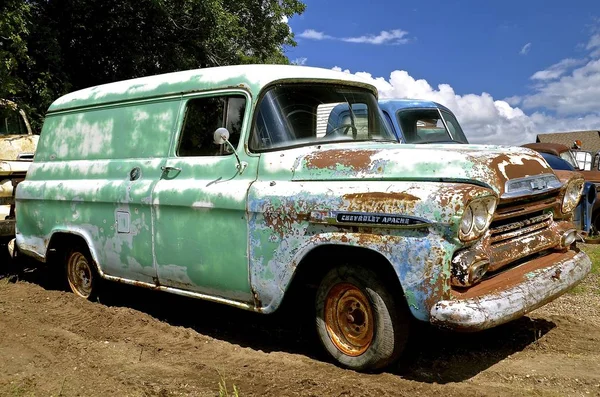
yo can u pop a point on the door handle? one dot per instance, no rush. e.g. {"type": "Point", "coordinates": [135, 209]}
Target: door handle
{"type": "Point", "coordinates": [167, 168]}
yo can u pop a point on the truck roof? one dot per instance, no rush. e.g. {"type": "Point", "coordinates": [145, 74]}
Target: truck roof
{"type": "Point", "coordinates": [547, 147]}
{"type": "Point", "coordinates": [251, 77]}
{"type": "Point", "coordinates": [397, 104]}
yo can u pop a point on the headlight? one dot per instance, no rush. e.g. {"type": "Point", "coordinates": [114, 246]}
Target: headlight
{"type": "Point", "coordinates": [476, 218]}
{"type": "Point", "coordinates": [466, 223]}
{"type": "Point", "coordinates": [572, 196]}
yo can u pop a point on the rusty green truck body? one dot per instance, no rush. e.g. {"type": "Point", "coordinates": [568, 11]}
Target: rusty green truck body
{"type": "Point", "coordinates": [473, 236]}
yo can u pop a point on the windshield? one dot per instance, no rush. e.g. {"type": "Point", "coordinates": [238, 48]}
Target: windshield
{"type": "Point", "coordinates": [300, 114]}
{"type": "Point", "coordinates": [568, 157]}
{"type": "Point", "coordinates": [428, 126]}
{"type": "Point", "coordinates": [557, 163]}
{"type": "Point", "coordinates": [11, 122]}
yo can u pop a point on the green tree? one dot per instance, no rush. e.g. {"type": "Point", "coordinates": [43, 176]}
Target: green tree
{"type": "Point", "coordinates": [14, 17]}
{"type": "Point", "coordinates": [73, 44]}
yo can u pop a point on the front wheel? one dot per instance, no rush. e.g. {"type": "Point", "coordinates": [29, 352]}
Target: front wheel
{"type": "Point", "coordinates": [358, 320]}
{"type": "Point", "coordinates": [81, 274]}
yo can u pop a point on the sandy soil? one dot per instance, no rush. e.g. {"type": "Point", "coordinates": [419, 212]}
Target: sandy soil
{"type": "Point", "coordinates": [136, 342]}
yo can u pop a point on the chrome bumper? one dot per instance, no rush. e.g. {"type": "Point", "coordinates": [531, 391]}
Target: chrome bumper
{"type": "Point", "coordinates": [537, 288]}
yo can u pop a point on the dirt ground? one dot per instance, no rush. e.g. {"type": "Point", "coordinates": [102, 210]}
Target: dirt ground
{"type": "Point", "coordinates": [142, 343]}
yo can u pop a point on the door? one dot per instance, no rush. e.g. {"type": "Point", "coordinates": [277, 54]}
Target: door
{"type": "Point", "coordinates": [200, 222]}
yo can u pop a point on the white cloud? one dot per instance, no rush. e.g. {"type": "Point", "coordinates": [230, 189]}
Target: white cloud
{"type": "Point", "coordinates": [525, 50]}
{"type": "Point", "coordinates": [565, 98]}
{"type": "Point", "coordinates": [570, 87]}
{"type": "Point", "coordinates": [557, 70]}
{"type": "Point", "coordinates": [300, 61]}
{"type": "Point", "coordinates": [484, 119]}
{"type": "Point", "coordinates": [594, 45]}
{"type": "Point", "coordinates": [394, 37]}
{"type": "Point", "coordinates": [513, 100]}
{"type": "Point", "coordinates": [576, 93]}
{"type": "Point", "coordinates": [314, 35]}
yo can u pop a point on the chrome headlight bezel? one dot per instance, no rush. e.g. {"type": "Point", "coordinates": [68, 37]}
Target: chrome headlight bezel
{"type": "Point", "coordinates": [572, 195]}
{"type": "Point", "coordinates": [476, 218]}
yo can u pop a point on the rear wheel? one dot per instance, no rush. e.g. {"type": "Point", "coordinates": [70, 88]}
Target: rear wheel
{"type": "Point", "coordinates": [358, 320]}
{"type": "Point", "coordinates": [81, 274]}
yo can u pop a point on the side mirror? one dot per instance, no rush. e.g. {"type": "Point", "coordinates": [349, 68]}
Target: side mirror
{"type": "Point", "coordinates": [220, 136]}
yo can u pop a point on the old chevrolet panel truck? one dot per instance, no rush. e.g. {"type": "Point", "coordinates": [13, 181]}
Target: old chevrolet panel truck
{"type": "Point", "coordinates": [213, 184]}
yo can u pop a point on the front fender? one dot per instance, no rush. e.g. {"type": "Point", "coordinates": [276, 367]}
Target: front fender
{"type": "Point", "coordinates": [282, 231]}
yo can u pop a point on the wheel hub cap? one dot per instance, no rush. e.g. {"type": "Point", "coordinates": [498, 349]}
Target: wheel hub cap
{"type": "Point", "coordinates": [349, 319]}
{"type": "Point", "coordinates": [79, 275]}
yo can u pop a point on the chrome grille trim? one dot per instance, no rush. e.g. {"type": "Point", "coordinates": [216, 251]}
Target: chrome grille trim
{"type": "Point", "coordinates": [520, 228]}
{"type": "Point", "coordinates": [529, 185]}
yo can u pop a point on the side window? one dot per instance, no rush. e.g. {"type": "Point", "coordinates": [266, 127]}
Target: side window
{"type": "Point", "coordinates": [203, 116]}
{"type": "Point", "coordinates": [11, 122]}
{"type": "Point", "coordinates": [584, 159]}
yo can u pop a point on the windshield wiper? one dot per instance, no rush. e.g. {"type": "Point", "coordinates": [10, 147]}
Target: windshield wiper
{"type": "Point", "coordinates": [352, 118]}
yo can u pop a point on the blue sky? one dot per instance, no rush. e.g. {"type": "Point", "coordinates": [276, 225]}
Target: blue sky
{"type": "Point", "coordinates": [508, 69]}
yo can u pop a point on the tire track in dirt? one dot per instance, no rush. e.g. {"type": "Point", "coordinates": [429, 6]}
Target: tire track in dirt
{"type": "Point", "coordinates": [52, 342]}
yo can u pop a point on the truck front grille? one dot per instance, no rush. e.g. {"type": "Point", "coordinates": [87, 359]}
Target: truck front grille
{"type": "Point", "coordinates": [521, 228]}
{"type": "Point", "coordinates": [527, 224]}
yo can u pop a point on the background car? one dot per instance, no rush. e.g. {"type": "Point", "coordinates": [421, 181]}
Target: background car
{"type": "Point", "coordinates": [583, 212]}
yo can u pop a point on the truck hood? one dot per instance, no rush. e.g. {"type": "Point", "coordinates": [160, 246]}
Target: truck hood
{"type": "Point", "coordinates": [14, 146]}
{"type": "Point", "coordinates": [11, 146]}
{"type": "Point", "coordinates": [491, 166]}
{"type": "Point", "coordinates": [590, 176]}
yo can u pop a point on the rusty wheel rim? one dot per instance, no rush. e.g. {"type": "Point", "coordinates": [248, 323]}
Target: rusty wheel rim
{"type": "Point", "coordinates": [349, 319]}
{"type": "Point", "coordinates": [79, 275]}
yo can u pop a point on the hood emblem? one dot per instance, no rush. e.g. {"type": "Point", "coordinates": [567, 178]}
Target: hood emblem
{"type": "Point", "coordinates": [538, 184]}
{"type": "Point", "coordinates": [519, 187]}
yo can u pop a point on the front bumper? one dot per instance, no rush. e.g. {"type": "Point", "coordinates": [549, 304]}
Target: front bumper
{"type": "Point", "coordinates": [512, 294]}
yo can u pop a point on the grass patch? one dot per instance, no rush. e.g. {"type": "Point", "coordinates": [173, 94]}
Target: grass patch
{"type": "Point", "coordinates": [580, 289]}
{"type": "Point", "coordinates": [593, 251]}
{"type": "Point", "coordinates": [224, 390]}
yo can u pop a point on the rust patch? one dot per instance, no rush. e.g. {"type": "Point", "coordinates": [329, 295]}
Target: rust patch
{"type": "Point", "coordinates": [381, 196]}
{"type": "Point", "coordinates": [380, 202]}
{"type": "Point", "coordinates": [566, 176]}
{"type": "Point", "coordinates": [493, 164]}
{"type": "Point", "coordinates": [283, 220]}
{"type": "Point", "coordinates": [529, 167]}
{"type": "Point", "coordinates": [512, 277]}
{"type": "Point", "coordinates": [356, 159]}
{"type": "Point", "coordinates": [514, 207]}
{"type": "Point", "coordinates": [256, 298]}
{"type": "Point", "coordinates": [590, 176]}
{"type": "Point", "coordinates": [447, 194]}
{"type": "Point", "coordinates": [546, 147]}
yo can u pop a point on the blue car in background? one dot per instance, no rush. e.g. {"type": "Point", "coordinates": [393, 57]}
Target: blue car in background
{"type": "Point", "coordinates": [419, 121]}
{"type": "Point", "coordinates": [412, 120]}
{"type": "Point", "coordinates": [583, 212]}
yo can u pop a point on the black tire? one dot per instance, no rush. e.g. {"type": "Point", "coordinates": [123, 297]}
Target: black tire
{"type": "Point", "coordinates": [596, 222]}
{"type": "Point", "coordinates": [82, 278]}
{"type": "Point", "coordinates": [359, 322]}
